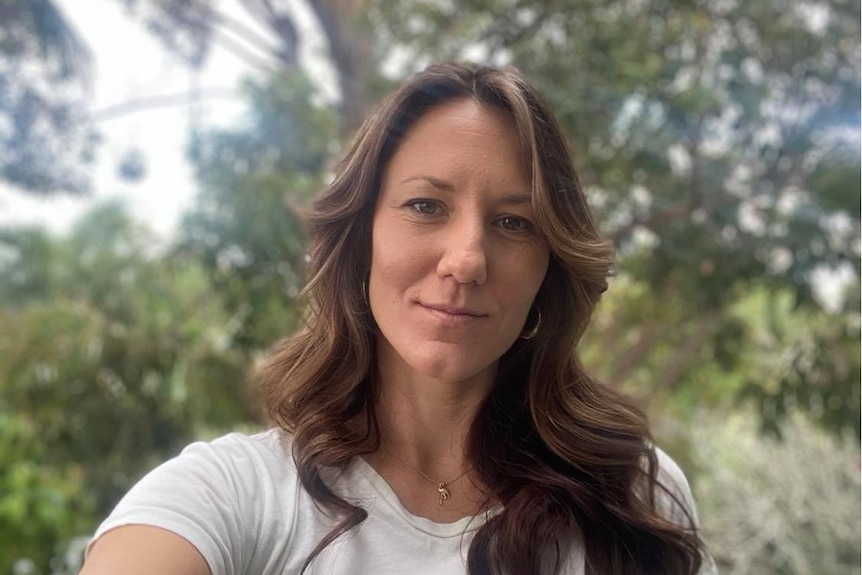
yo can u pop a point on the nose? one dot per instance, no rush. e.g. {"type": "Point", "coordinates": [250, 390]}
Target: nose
{"type": "Point", "coordinates": [464, 257]}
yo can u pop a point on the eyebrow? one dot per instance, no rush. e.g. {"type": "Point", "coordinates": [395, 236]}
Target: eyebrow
{"type": "Point", "coordinates": [511, 198]}
{"type": "Point", "coordinates": [436, 182]}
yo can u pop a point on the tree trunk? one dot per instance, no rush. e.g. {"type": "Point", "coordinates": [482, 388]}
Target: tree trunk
{"type": "Point", "coordinates": [350, 50]}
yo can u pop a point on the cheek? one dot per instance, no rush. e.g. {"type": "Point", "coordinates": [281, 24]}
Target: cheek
{"type": "Point", "coordinates": [527, 273]}
{"type": "Point", "coordinates": [390, 241]}
{"type": "Point", "coordinates": [383, 256]}
{"type": "Point", "coordinates": [392, 267]}
{"type": "Point", "coordinates": [394, 273]}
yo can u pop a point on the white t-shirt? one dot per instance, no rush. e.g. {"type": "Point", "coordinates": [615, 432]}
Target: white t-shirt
{"type": "Point", "coordinates": [239, 501]}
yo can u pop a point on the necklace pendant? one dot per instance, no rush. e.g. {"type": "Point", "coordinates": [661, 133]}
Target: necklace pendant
{"type": "Point", "coordinates": [442, 493]}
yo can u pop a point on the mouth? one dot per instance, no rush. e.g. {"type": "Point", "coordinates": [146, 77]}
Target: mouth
{"type": "Point", "coordinates": [452, 311]}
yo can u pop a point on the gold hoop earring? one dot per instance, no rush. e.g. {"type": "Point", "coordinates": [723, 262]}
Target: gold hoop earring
{"type": "Point", "coordinates": [531, 333]}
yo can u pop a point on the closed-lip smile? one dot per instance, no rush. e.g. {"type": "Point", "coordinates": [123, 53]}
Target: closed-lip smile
{"type": "Point", "coordinates": [452, 310]}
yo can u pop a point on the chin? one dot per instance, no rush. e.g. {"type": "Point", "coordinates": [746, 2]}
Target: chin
{"type": "Point", "coordinates": [448, 367]}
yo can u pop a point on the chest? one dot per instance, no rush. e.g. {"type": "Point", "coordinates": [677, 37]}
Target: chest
{"type": "Point", "coordinates": [382, 549]}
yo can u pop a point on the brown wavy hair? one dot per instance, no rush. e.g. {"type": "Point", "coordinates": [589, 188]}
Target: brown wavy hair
{"type": "Point", "coordinates": [565, 457]}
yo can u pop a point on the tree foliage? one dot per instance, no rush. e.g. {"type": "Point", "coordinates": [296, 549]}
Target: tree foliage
{"type": "Point", "coordinates": [719, 143]}
{"type": "Point", "coordinates": [767, 509]}
{"type": "Point", "coordinates": [46, 139]}
{"type": "Point", "coordinates": [112, 358]}
{"type": "Point", "coordinates": [245, 227]}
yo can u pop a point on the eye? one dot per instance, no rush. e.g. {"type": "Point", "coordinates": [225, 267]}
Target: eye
{"type": "Point", "coordinates": [514, 224]}
{"type": "Point", "coordinates": [425, 207]}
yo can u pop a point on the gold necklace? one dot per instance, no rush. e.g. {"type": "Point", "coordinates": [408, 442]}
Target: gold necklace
{"type": "Point", "coordinates": [442, 486]}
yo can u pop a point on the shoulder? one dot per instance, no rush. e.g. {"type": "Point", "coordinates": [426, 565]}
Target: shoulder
{"type": "Point", "coordinates": [676, 503]}
{"type": "Point", "coordinates": [235, 464]}
{"type": "Point", "coordinates": [217, 495]}
{"type": "Point", "coordinates": [267, 444]}
{"type": "Point", "coordinates": [673, 493]}
{"type": "Point", "coordinates": [269, 451]}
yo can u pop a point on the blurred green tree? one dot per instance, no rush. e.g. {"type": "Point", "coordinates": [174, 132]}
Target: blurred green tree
{"type": "Point", "coordinates": [719, 143]}
{"type": "Point", "coordinates": [245, 225]}
{"type": "Point", "coordinates": [767, 509]}
{"type": "Point", "coordinates": [112, 358]}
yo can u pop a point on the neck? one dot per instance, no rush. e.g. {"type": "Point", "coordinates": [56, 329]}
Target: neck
{"type": "Point", "coordinates": [427, 437]}
{"type": "Point", "coordinates": [425, 422]}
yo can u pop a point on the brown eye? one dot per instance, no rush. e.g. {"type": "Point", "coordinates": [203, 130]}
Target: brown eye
{"type": "Point", "coordinates": [425, 207]}
{"type": "Point", "coordinates": [513, 224]}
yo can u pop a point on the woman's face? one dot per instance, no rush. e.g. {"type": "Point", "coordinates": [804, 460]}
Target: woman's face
{"type": "Point", "coordinates": [456, 256]}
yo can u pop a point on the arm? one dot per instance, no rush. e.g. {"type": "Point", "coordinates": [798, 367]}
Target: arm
{"type": "Point", "coordinates": [143, 550]}
{"type": "Point", "coordinates": [191, 515]}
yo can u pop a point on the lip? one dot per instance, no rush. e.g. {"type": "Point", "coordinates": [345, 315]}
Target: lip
{"type": "Point", "coordinates": [450, 312]}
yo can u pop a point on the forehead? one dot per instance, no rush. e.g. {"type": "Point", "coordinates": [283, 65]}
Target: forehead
{"type": "Point", "coordinates": [462, 139]}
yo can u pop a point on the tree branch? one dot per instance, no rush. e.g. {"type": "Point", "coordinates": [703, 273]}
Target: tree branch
{"type": "Point", "coordinates": [282, 25]}
{"type": "Point", "coordinates": [634, 355]}
{"type": "Point", "coordinates": [244, 32]}
{"type": "Point", "coordinates": [161, 101]}
{"type": "Point", "coordinates": [242, 53]}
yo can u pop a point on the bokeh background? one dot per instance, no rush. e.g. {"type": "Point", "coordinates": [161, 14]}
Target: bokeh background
{"type": "Point", "coordinates": [155, 155]}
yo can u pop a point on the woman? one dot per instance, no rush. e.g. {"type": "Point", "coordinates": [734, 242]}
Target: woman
{"type": "Point", "coordinates": [433, 416]}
